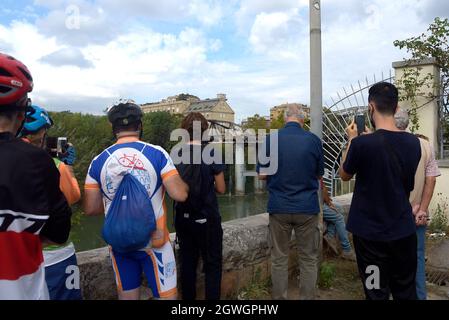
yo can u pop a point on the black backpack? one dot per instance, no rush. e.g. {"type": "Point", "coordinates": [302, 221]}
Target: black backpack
{"type": "Point", "coordinates": [192, 207]}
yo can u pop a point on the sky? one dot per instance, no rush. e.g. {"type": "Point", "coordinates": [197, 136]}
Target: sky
{"type": "Point", "coordinates": [86, 54]}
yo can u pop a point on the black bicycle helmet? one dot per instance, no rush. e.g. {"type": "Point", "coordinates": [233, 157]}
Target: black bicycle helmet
{"type": "Point", "coordinates": [124, 113]}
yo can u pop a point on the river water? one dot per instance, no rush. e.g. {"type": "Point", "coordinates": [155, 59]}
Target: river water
{"type": "Point", "coordinates": [87, 233]}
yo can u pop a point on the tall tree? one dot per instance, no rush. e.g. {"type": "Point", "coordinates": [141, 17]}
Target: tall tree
{"type": "Point", "coordinates": [256, 122]}
{"type": "Point", "coordinates": [431, 44]}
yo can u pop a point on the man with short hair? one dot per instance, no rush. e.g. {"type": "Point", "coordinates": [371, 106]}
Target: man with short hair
{"type": "Point", "coordinates": [293, 204]}
{"type": "Point", "coordinates": [33, 210]}
{"type": "Point", "coordinates": [154, 169]}
{"type": "Point", "coordinates": [420, 198]}
{"type": "Point", "coordinates": [381, 218]}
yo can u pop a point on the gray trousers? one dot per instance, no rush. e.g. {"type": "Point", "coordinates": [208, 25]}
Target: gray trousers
{"type": "Point", "coordinates": [307, 236]}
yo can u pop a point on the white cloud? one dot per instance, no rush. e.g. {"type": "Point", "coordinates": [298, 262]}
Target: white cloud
{"type": "Point", "coordinates": [208, 13]}
{"type": "Point", "coordinates": [67, 57]}
{"type": "Point", "coordinates": [167, 10]}
{"type": "Point", "coordinates": [249, 9]}
{"type": "Point", "coordinates": [358, 47]}
{"type": "Point", "coordinates": [141, 63]}
{"type": "Point", "coordinates": [26, 42]}
{"type": "Point", "coordinates": [93, 24]}
{"type": "Point", "coordinates": [49, 3]}
{"type": "Point", "coordinates": [277, 34]}
{"type": "Point", "coordinates": [357, 39]}
{"type": "Point", "coordinates": [129, 59]}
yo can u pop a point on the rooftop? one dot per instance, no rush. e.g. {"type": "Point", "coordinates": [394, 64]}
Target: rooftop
{"type": "Point", "coordinates": [203, 105]}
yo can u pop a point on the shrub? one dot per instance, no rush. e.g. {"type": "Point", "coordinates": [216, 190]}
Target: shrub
{"type": "Point", "coordinates": [439, 221]}
{"type": "Point", "coordinates": [328, 274]}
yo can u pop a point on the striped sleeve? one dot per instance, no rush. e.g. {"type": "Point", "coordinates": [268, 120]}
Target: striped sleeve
{"type": "Point", "coordinates": [167, 166]}
{"type": "Point", "coordinates": [93, 181]}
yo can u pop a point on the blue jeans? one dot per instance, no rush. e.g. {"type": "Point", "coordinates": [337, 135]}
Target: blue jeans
{"type": "Point", "coordinates": [421, 291]}
{"type": "Point", "coordinates": [336, 225]}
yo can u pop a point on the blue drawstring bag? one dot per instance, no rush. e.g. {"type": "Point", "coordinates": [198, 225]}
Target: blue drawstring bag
{"type": "Point", "coordinates": [130, 220]}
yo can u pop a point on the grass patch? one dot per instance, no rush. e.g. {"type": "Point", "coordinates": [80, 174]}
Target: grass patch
{"type": "Point", "coordinates": [439, 222]}
{"type": "Point", "coordinates": [257, 289]}
{"type": "Point", "coordinates": [328, 274]}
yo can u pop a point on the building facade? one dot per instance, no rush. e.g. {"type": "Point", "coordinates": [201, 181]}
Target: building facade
{"type": "Point", "coordinates": [216, 109]}
{"type": "Point", "coordinates": [277, 111]}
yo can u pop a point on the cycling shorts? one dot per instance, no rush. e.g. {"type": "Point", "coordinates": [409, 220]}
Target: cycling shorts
{"type": "Point", "coordinates": [158, 265]}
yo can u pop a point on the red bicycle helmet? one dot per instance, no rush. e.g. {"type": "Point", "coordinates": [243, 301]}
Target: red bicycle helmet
{"type": "Point", "coordinates": [15, 82]}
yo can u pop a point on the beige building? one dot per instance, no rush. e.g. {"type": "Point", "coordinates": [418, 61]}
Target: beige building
{"type": "Point", "coordinates": [216, 109]}
{"type": "Point", "coordinates": [276, 111]}
{"type": "Point", "coordinates": [174, 105]}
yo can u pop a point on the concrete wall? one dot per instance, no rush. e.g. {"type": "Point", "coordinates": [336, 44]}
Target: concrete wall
{"type": "Point", "coordinates": [245, 253]}
{"type": "Point", "coordinates": [442, 187]}
{"type": "Point", "coordinates": [428, 120]}
{"type": "Point", "coordinates": [428, 115]}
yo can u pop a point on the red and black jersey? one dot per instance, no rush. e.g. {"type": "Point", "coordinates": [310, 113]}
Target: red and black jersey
{"type": "Point", "coordinates": [31, 206]}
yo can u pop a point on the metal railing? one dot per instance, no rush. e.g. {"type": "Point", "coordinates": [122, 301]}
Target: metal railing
{"type": "Point", "coordinates": [341, 187]}
{"type": "Point", "coordinates": [336, 118]}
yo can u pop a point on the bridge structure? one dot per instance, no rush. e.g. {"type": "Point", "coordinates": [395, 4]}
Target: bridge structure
{"type": "Point", "coordinates": [232, 133]}
{"type": "Point", "coordinates": [337, 115]}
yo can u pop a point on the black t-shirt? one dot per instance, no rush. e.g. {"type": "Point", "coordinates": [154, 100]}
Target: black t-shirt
{"type": "Point", "coordinates": [29, 190]}
{"type": "Point", "coordinates": [209, 169]}
{"type": "Point", "coordinates": [380, 209]}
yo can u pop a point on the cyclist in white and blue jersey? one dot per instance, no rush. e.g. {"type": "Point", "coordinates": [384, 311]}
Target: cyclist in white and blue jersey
{"type": "Point", "coordinates": [154, 168]}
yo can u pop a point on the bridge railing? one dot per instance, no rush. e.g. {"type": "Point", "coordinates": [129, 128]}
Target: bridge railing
{"type": "Point", "coordinates": [341, 187]}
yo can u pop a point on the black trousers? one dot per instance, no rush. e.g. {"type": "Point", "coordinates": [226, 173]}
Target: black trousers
{"type": "Point", "coordinates": [387, 267]}
{"type": "Point", "coordinates": [205, 240]}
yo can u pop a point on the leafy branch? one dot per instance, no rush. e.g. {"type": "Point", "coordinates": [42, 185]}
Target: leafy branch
{"type": "Point", "coordinates": [431, 44]}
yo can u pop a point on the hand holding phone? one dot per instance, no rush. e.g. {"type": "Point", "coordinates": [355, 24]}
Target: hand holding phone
{"type": "Point", "coordinates": [360, 122]}
{"type": "Point", "coordinates": [62, 145]}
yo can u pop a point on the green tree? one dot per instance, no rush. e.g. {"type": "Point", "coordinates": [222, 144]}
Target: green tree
{"type": "Point", "coordinates": [158, 126]}
{"type": "Point", "coordinates": [278, 123]}
{"type": "Point", "coordinates": [256, 122]}
{"type": "Point", "coordinates": [431, 44]}
{"type": "Point", "coordinates": [92, 134]}
{"type": "Point", "coordinates": [307, 124]}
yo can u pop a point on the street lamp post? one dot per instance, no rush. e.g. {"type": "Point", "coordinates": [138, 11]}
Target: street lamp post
{"type": "Point", "coordinates": [316, 90]}
{"type": "Point", "coordinates": [316, 84]}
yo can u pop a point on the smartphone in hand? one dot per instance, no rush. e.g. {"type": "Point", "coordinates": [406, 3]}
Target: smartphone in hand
{"type": "Point", "coordinates": [62, 145]}
{"type": "Point", "coordinates": [360, 123]}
